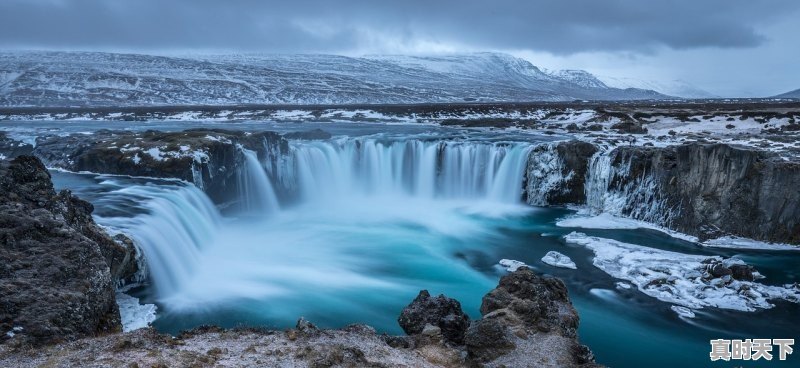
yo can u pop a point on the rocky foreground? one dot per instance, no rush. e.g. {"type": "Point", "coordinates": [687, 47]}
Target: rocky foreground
{"type": "Point", "coordinates": [527, 321]}
{"type": "Point", "coordinates": [58, 268]}
{"type": "Point", "coordinates": [57, 307]}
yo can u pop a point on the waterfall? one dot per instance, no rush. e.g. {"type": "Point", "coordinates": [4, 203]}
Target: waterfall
{"type": "Point", "coordinates": [255, 189]}
{"type": "Point", "coordinates": [611, 188]}
{"type": "Point", "coordinates": [426, 169]}
{"type": "Point", "coordinates": [598, 178]}
{"type": "Point", "coordinates": [174, 224]}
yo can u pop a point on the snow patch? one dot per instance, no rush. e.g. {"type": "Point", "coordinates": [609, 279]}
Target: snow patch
{"type": "Point", "coordinates": [680, 279]}
{"type": "Point", "coordinates": [557, 259]}
{"type": "Point", "coordinates": [583, 219]}
{"type": "Point", "coordinates": [155, 153]}
{"type": "Point", "coordinates": [134, 315]}
{"type": "Point", "coordinates": [512, 265]}
{"type": "Point", "coordinates": [734, 242]}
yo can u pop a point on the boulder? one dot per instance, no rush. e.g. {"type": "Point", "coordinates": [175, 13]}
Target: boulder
{"type": "Point", "coordinates": [441, 311]}
{"type": "Point", "coordinates": [528, 321]}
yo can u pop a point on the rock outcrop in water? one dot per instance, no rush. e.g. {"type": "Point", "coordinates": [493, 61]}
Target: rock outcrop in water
{"type": "Point", "coordinates": [58, 268]}
{"type": "Point", "coordinates": [528, 321]}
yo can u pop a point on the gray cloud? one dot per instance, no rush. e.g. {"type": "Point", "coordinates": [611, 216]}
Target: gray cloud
{"type": "Point", "coordinates": [558, 27]}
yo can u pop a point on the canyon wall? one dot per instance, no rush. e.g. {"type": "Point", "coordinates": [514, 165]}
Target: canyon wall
{"type": "Point", "coordinates": [701, 189]}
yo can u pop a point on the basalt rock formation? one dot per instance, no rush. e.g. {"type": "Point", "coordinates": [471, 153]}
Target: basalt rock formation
{"type": "Point", "coordinates": [711, 190]}
{"type": "Point", "coordinates": [58, 268]}
{"type": "Point", "coordinates": [702, 189]}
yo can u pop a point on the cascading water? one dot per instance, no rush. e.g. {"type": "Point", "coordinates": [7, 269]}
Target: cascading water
{"type": "Point", "coordinates": [423, 169]}
{"type": "Point", "coordinates": [611, 189]}
{"type": "Point", "coordinates": [256, 194]}
{"type": "Point", "coordinates": [350, 210]}
{"type": "Point", "coordinates": [174, 224]}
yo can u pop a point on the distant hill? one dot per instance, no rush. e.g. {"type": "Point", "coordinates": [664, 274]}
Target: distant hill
{"type": "Point", "coordinates": [110, 79]}
{"type": "Point", "coordinates": [791, 94]}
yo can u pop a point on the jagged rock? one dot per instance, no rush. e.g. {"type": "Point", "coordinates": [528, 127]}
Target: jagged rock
{"type": "Point", "coordinates": [57, 267]}
{"type": "Point", "coordinates": [528, 321]}
{"type": "Point", "coordinates": [441, 311]}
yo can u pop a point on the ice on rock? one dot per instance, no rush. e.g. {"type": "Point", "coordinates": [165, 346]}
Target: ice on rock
{"type": "Point", "coordinates": [155, 153]}
{"type": "Point", "coordinates": [557, 259]}
{"type": "Point", "coordinates": [512, 265]}
{"type": "Point", "coordinates": [681, 279]}
{"type": "Point", "coordinates": [134, 315]}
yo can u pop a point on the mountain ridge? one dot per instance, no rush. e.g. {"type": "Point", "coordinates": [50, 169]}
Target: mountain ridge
{"type": "Point", "coordinates": [790, 94]}
{"type": "Point", "coordinates": [59, 79]}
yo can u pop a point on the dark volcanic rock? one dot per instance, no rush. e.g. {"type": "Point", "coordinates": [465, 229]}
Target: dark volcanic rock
{"type": "Point", "coordinates": [57, 267]}
{"type": "Point", "coordinates": [11, 148]}
{"type": "Point", "coordinates": [556, 173]}
{"type": "Point", "coordinates": [528, 320]}
{"type": "Point", "coordinates": [709, 190]}
{"type": "Point", "coordinates": [440, 311]}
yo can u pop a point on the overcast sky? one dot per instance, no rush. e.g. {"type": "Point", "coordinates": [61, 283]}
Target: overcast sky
{"type": "Point", "coordinates": [727, 47]}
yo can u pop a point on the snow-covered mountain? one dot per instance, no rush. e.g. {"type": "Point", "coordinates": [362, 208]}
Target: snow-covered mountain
{"type": "Point", "coordinates": [676, 87]}
{"type": "Point", "coordinates": [109, 79]}
{"type": "Point", "coordinates": [790, 94]}
{"type": "Point", "coordinates": [579, 77]}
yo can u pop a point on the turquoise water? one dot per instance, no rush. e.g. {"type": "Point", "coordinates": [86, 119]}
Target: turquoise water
{"type": "Point", "coordinates": [365, 264]}
{"type": "Point", "coordinates": [359, 258]}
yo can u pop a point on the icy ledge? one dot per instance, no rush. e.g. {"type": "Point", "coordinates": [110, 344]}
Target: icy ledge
{"type": "Point", "coordinates": [557, 259]}
{"type": "Point", "coordinates": [687, 280]}
{"type": "Point", "coordinates": [734, 242]}
{"type": "Point", "coordinates": [134, 315]}
{"type": "Point", "coordinates": [584, 219]}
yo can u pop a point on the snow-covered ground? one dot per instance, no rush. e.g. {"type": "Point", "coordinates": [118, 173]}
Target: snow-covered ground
{"type": "Point", "coordinates": [681, 279]}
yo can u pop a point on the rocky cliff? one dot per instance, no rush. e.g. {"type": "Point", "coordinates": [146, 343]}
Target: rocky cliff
{"type": "Point", "coordinates": [58, 268]}
{"type": "Point", "coordinates": [702, 189]}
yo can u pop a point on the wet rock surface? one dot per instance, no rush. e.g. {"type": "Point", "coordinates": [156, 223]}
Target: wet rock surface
{"type": "Point", "coordinates": [440, 311]}
{"type": "Point", "coordinates": [58, 268]}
